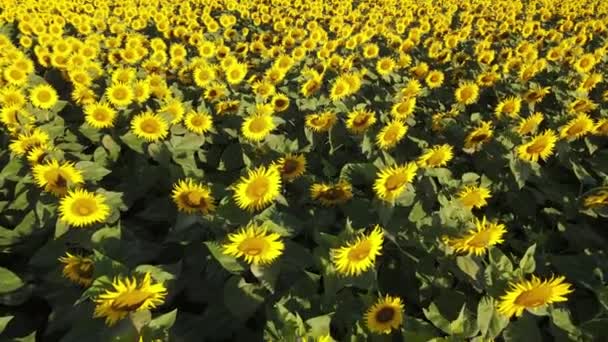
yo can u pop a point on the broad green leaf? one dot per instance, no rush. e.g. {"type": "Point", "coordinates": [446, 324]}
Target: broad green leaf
{"type": "Point", "coordinates": [241, 298]}
{"type": "Point", "coordinates": [527, 263]}
{"type": "Point", "coordinates": [468, 265]}
{"type": "Point", "coordinates": [9, 281]}
{"type": "Point", "coordinates": [229, 263]}
{"type": "Point", "coordinates": [92, 171]}
{"type": "Point", "coordinates": [522, 329]}
{"type": "Point", "coordinates": [490, 322]}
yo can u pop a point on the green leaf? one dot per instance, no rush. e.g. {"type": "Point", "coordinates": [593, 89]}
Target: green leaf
{"type": "Point", "coordinates": [490, 322]}
{"type": "Point", "coordinates": [9, 281]}
{"type": "Point", "coordinates": [319, 326]}
{"type": "Point", "coordinates": [163, 322]}
{"type": "Point", "coordinates": [61, 228]}
{"type": "Point", "coordinates": [241, 298]}
{"type": "Point", "coordinates": [92, 171]}
{"type": "Point", "coordinates": [133, 142]}
{"type": "Point", "coordinates": [527, 263]}
{"type": "Point", "coordinates": [523, 329]}
{"type": "Point", "coordinates": [229, 263]}
{"type": "Point", "coordinates": [467, 265]}
{"type": "Point", "coordinates": [521, 171]}
{"type": "Point", "coordinates": [359, 174]}
{"type": "Point", "coordinates": [112, 147]}
{"type": "Point", "coordinates": [432, 314]}
{"type": "Point", "coordinates": [159, 274]}
{"type": "Point", "coordinates": [4, 322]}
{"type": "Point", "coordinates": [561, 318]}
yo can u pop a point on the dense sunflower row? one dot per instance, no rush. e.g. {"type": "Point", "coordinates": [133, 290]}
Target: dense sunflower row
{"type": "Point", "coordinates": [327, 170]}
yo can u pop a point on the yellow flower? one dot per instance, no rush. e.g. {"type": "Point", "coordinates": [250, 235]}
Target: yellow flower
{"type": "Point", "coordinates": [530, 124]}
{"type": "Point", "coordinates": [403, 109]}
{"type": "Point", "coordinates": [358, 255]}
{"type": "Point", "coordinates": [473, 196]}
{"type": "Point", "coordinates": [331, 194]}
{"type": "Point", "coordinates": [254, 244]}
{"type": "Point", "coordinates": [149, 126]}
{"type": "Point", "coordinates": [385, 65]}
{"type": "Point", "coordinates": [57, 178]}
{"type": "Point", "coordinates": [392, 181]}
{"type": "Point", "coordinates": [203, 75]}
{"type": "Point", "coordinates": [578, 127]}
{"type": "Point", "coordinates": [175, 110]}
{"type": "Point", "coordinates": [28, 140]}
{"type": "Point", "coordinates": [198, 123]}
{"type": "Point", "coordinates": [585, 63]}
{"type": "Point", "coordinates": [257, 126]}
{"type": "Point", "coordinates": [541, 146]}
{"type": "Point", "coordinates": [292, 166]}
{"type": "Point", "coordinates": [599, 199]}
{"type": "Point", "coordinates": [436, 156]}
{"type": "Point", "coordinates": [385, 316]}
{"type": "Point", "coordinates": [582, 105]}
{"type": "Point", "coordinates": [321, 122]}
{"type": "Point", "coordinates": [467, 93]}
{"type": "Point", "coordinates": [191, 197]}
{"type": "Point", "coordinates": [531, 294]}
{"type": "Point", "coordinates": [477, 240]}
{"type": "Point", "coordinates": [236, 72]}
{"type": "Point", "coordinates": [601, 127]}
{"type": "Point", "coordinates": [280, 102]}
{"type": "Point", "coordinates": [258, 189]}
{"type": "Point", "coordinates": [99, 115]}
{"type": "Point", "coordinates": [391, 134]}
{"type": "Point", "coordinates": [15, 76]}
{"type": "Point", "coordinates": [434, 79]}
{"type": "Point", "coordinates": [78, 269]}
{"type": "Point", "coordinates": [141, 91]}
{"type": "Point", "coordinates": [479, 136]}
{"type": "Point", "coordinates": [412, 88]}
{"type": "Point", "coordinates": [340, 89]}
{"type": "Point", "coordinates": [129, 295]}
{"type": "Point", "coordinates": [119, 94]}
{"type": "Point", "coordinates": [81, 208]}
{"type": "Point", "coordinates": [359, 121]}
{"type": "Point", "coordinates": [43, 96]}
{"type": "Point", "coordinates": [263, 89]}
{"type": "Point", "coordinates": [509, 106]}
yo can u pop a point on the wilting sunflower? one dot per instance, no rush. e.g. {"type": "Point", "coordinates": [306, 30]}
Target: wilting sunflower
{"type": "Point", "coordinates": [149, 126]}
{"type": "Point", "coordinates": [78, 269]}
{"type": "Point", "coordinates": [28, 140]}
{"type": "Point", "coordinates": [257, 126]}
{"type": "Point", "coordinates": [198, 122]}
{"type": "Point", "coordinates": [254, 244]}
{"type": "Point", "coordinates": [258, 189]}
{"type": "Point", "coordinates": [43, 96]}
{"type": "Point", "coordinates": [358, 255]}
{"type": "Point", "coordinates": [391, 134]}
{"type": "Point", "coordinates": [321, 122]}
{"type": "Point", "coordinates": [119, 94]}
{"type": "Point", "coordinates": [359, 121]}
{"type": "Point", "coordinates": [531, 294]}
{"type": "Point", "coordinates": [99, 115]}
{"type": "Point", "coordinates": [436, 156]}
{"type": "Point", "coordinates": [479, 136]}
{"type": "Point", "coordinates": [236, 73]}
{"type": "Point", "coordinates": [292, 166]}
{"type": "Point", "coordinates": [385, 315]}
{"type": "Point", "coordinates": [191, 197]}
{"type": "Point", "coordinates": [473, 196]}
{"type": "Point", "coordinates": [510, 107]}
{"type": "Point", "coordinates": [129, 295]}
{"type": "Point", "coordinates": [392, 181]}
{"type": "Point", "coordinates": [467, 93]}
{"type": "Point", "coordinates": [331, 194]}
{"type": "Point", "coordinates": [57, 178]}
{"type": "Point", "coordinates": [477, 240]}
{"type": "Point", "coordinates": [81, 208]}
{"type": "Point", "coordinates": [530, 124]}
{"type": "Point", "coordinates": [578, 127]}
{"type": "Point", "coordinates": [541, 146]}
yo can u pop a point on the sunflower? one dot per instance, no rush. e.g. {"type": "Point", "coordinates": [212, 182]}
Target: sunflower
{"type": "Point", "coordinates": [434, 79]}
{"type": "Point", "coordinates": [12, 97]}
{"type": "Point", "coordinates": [331, 194]}
{"type": "Point", "coordinates": [436, 156]}
{"type": "Point", "coordinates": [258, 189]}
{"type": "Point", "coordinates": [78, 269]}
{"type": "Point", "coordinates": [191, 197]}
{"type": "Point", "coordinates": [581, 105]}
{"type": "Point", "coordinates": [340, 89]}
{"type": "Point", "coordinates": [149, 126]}
{"type": "Point", "coordinates": [129, 295]}
{"type": "Point", "coordinates": [36, 155]}
{"type": "Point", "coordinates": [385, 65]}
{"type": "Point", "coordinates": [467, 93]}
{"type": "Point", "coordinates": [510, 106]}
{"type": "Point", "coordinates": [359, 121]}
{"type": "Point", "coordinates": [530, 124]}
{"type": "Point", "coordinates": [57, 178]}
{"type": "Point", "coordinates": [385, 315]}
{"type": "Point", "coordinates": [81, 208]}
{"type": "Point", "coordinates": [391, 134]}
{"type": "Point", "coordinates": [585, 63]}
{"type": "Point", "coordinates": [215, 91]}
{"type": "Point", "coordinates": [370, 51]}
{"type": "Point", "coordinates": [254, 244]}
{"type": "Point", "coordinates": [578, 127]}
{"type": "Point", "coordinates": [403, 109]}
{"type": "Point", "coordinates": [358, 255]}
{"type": "Point", "coordinates": [479, 136]}
{"type": "Point", "coordinates": [119, 94]}
{"type": "Point", "coordinates": [199, 122]}
{"type": "Point", "coordinates": [141, 91]}
{"type": "Point", "coordinates": [601, 127]}
{"type": "Point", "coordinates": [473, 196]}
{"type": "Point", "coordinates": [598, 199]}
{"type": "Point", "coordinates": [477, 240]}
{"type": "Point", "coordinates": [531, 294]}
{"type": "Point", "coordinates": [541, 146]}
{"type": "Point", "coordinates": [264, 89]}
{"type": "Point", "coordinates": [412, 88]}
{"type": "Point", "coordinates": [392, 181]}
{"type": "Point", "coordinates": [257, 126]}
{"type": "Point", "coordinates": [99, 115]}
{"type": "Point", "coordinates": [43, 96]}
{"type": "Point", "coordinates": [15, 76]}
{"type": "Point", "coordinates": [203, 75]}
{"type": "Point", "coordinates": [236, 73]}
{"type": "Point", "coordinates": [227, 107]}
{"type": "Point", "coordinates": [292, 166]}
{"type": "Point", "coordinates": [321, 122]}
{"type": "Point", "coordinates": [28, 140]}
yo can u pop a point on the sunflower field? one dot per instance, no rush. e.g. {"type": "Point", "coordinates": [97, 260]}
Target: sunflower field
{"type": "Point", "coordinates": [303, 170]}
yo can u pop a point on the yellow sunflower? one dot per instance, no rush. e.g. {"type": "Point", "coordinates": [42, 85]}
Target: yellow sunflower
{"type": "Point", "coordinates": [510, 107]}
{"type": "Point", "coordinates": [532, 294]}
{"type": "Point", "coordinates": [391, 134]}
{"type": "Point", "coordinates": [541, 146]}
{"type": "Point", "coordinates": [358, 255]}
{"type": "Point", "coordinates": [331, 194]}
{"type": "Point", "coordinates": [403, 109]}
{"type": "Point", "coordinates": [99, 115]}
{"type": "Point", "coordinates": [78, 269]}
{"type": "Point", "coordinates": [392, 181]}
{"type": "Point", "coordinates": [254, 244]}
{"type": "Point", "coordinates": [280, 102]}
{"type": "Point", "coordinates": [119, 94]}
{"type": "Point", "coordinates": [292, 166]}
{"type": "Point", "coordinates": [530, 124]}
{"type": "Point", "coordinates": [578, 127]}
{"type": "Point", "coordinates": [412, 88]}
{"type": "Point", "coordinates": [191, 197]}
{"type": "Point", "coordinates": [467, 93]}
{"type": "Point", "coordinates": [601, 127]}
{"type": "Point", "coordinates": [57, 178]}
{"type": "Point", "coordinates": [236, 72]}
{"type": "Point", "coordinates": [43, 96]}
{"type": "Point", "coordinates": [258, 189]}
{"type": "Point", "coordinates": [198, 122]}
{"type": "Point", "coordinates": [321, 122]}
{"type": "Point", "coordinates": [29, 140]}
{"type": "Point", "coordinates": [81, 208]}
{"type": "Point", "coordinates": [473, 196]}
{"type": "Point", "coordinates": [436, 156]}
{"type": "Point", "coordinates": [257, 126]}
{"type": "Point", "coordinates": [129, 295]}
{"type": "Point", "coordinates": [599, 199]}
{"type": "Point", "coordinates": [479, 136]}
{"type": "Point", "coordinates": [340, 89]}
{"type": "Point", "coordinates": [477, 240]}
{"type": "Point", "coordinates": [385, 65]}
{"type": "Point", "coordinates": [149, 126]}
{"type": "Point", "coordinates": [174, 109]}
{"type": "Point", "coordinates": [434, 79]}
{"type": "Point", "coordinates": [385, 316]}
{"type": "Point", "coordinates": [359, 121]}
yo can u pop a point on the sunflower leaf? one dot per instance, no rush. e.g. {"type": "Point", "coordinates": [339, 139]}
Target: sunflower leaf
{"type": "Point", "coordinates": [229, 263]}
{"type": "Point", "coordinates": [9, 281]}
{"type": "Point", "coordinates": [527, 263]}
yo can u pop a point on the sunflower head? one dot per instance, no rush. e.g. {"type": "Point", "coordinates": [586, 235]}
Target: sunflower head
{"type": "Point", "coordinates": [436, 156]}
{"type": "Point", "coordinates": [80, 208]}
{"type": "Point", "coordinates": [43, 96]}
{"type": "Point", "coordinates": [534, 293]}
{"type": "Point", "coordinates": [331, 194]}
{"type": "Point", "coordinates": [259, 188]}
{"type": "Point", "coordinates": [78, 269]}
{"type": "Point", "coordinates": [479, 136]}
{"type": "Point", "coordinates": [467, 93]}
{"type": "Point", "coordinates": [477, 240]}
{"type": "Point", "coordinates": [292, 166]}
{"type": "Point", "coordinates": [257, 126]}
{"type": "Point", "coordinates": [99, 115]}
{"type": "Point", "coordinates": [578, 127]}
{"type": "Point", "coordinates": [149, 126]}
{"type": "Point", "coordinates": [392, 181]}
{"type": "Point", "coordinates": [473, 196]}
{"type": "Point", "coordinates": [540, 147]}
{"type": "Point", "coordinates": [198, 122]}
{"type": "Point", "coordinates": [385, 315]}
{"type": "Point", "coordinates": [360, 120]}
{"type": "Point", "coordinates": [391, 134]}
{"type": "Point", "coordinates": [191, 197]}
{"type": "Point", "coordinates": [358, 255]}
{"type": "Point", "coordinates": [321, 122]}
{"type": "Point", "coordinates": [57, 178]}
{"type": "Point", "coordinates": [255, 245]}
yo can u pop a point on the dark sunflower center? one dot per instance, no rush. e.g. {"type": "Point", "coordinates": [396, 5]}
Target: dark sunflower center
{"type": "Point", "coordinates": [333, 194]}
{"type": "Point", "coordinates": [478, 138]}
{"type": "Point", "coordinates": [385, 315]}
{"type": "Point", "coordinates": [85, 270]}
{"type": "Point", "coordinates": [289, 166]}
{"type": "Point", "coordinates": [61, 182]}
